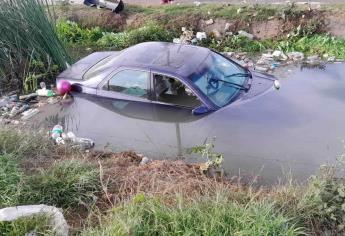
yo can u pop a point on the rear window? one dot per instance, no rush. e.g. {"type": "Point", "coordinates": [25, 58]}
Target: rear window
{"type": "Point", "coordinates": [100, 67]}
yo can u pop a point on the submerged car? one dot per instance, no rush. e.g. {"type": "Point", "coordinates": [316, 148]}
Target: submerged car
{"type": "Point", "coordinates": [178, 75]}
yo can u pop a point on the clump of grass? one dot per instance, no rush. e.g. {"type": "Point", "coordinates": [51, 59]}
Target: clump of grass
{"type": "Point", "coordinates": [21, 143]}
{"type": "Point", "coordinates": [27, 32]}
{"type": "Point", "coordinates": [10, 179]}
{"type": "Point", "coordinates": [209, 216]}
{"type": "Point", "coordinates": [66, 184]}
{"type": "Point", "coordinates": [22, 226]}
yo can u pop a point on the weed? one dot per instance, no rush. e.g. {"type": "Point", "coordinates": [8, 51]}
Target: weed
{"type": "Point", "coordinates": [203, 216]}
{"type": "Point", "coordinates": [65, 184]}
{"type": "Point", "coordinates": [38, 225]}
{"type": "Point", "coordinates": [10, 179]}
{"type": "Point", "coordinates": [213, 159]}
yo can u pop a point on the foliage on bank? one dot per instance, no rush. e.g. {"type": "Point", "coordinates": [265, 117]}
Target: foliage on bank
{"type": "Point", "coordinates": [74, 184]}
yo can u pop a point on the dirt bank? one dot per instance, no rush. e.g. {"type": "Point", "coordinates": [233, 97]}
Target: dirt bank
{"type": "Point", "coordinates": [263, 22]}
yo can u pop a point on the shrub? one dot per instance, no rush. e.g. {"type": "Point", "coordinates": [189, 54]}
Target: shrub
{"type": "Point", "coordinates": [10, 179]}
{"type": "Point", "coordinates": [122, 40]}
{"type": "Point", "coordinates": [66, 184]}
{"type": "Point", "coordinates": [201, 217]}
{"type": "Point", "coordinates": [71, 32]}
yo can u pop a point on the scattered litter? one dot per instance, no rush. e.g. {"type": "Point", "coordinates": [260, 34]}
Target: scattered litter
{"type": "Point", "coordinates": [295, 56]}
{"type": "Point", "coordinates": [197, 3]}
{"type": "Point", "coordinates": [114, 7]}
{"type": "Point", "coordinates": [261, 69]}
{"type": "Point", "coordinates": [28, 97]}
{"type": "Point", "coordinates": [144, 161]}
{"type": "Point", "coordinates": [209, 22]}
{"type": "Point", "coordinates": [279, 55]}
{"type": "Point", "coordinates": [246, 34]}
{"type": "Point", "coordinates": [29, 113]}
{"type": "Point", "coordinates": [227, 27]}
{"type": "Point", "coordinates": [201, 35]}
{"type": "Point", "coordinates": [45, 92]}
{"type": "Point", "coordinates": [57, 220]}
{"type": "Point", "coordinates": [61, 138]}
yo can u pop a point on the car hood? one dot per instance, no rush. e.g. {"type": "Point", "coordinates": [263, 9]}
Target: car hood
{"type": "Point", "coordinates": [77, 70]}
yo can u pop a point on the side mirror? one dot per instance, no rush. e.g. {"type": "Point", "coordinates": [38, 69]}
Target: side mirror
{"type": "Point", "coordinates": [200, 110]}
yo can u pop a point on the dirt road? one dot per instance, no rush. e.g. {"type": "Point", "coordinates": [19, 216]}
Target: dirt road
{"type": "Point", "coordinates": [155, 2]}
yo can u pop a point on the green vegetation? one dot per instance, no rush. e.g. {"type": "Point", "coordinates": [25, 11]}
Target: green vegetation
{"type": "Point", "coordinates": [71, 32]}
{"type": "Point", "coordinates": [39, 225]}
{"type": "Point", "coordinates": [76, 184]}
{"type": "Point", "coordinates": [204, 216]}
{"type": "Point", "coordinates": [10, 178]}
{"type": "Point", "coordinates": [27, 34]}
{"type": "Point", "coordinates": [66, 184]}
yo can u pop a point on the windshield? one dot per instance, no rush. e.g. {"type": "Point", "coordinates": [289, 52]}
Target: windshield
{"type": "Point", "coordinates": [220, 79]}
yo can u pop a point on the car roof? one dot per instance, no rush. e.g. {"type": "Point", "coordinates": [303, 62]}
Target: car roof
{"type": "Point", "coordinates": [172, 58]}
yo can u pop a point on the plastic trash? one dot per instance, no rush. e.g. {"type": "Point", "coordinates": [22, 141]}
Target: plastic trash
{"type": "Point", "coordinates": [82, 143]}
{"type": "Point", "coordinates": [29, 113]}
{"type": "Point", "coordinates": [56, 134]}
{"type": "Point", "coordinates": [57, 220]}
{"type": "Point", "coordinates": [201, 35]}
{"type": "Point", "coordinates": [144, 161]}
{"type": "Point", "coordinates": [45, 93]}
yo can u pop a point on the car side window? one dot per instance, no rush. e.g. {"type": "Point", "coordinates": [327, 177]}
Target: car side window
{"type": "Point", "coordinates": [130, 82]}
{"type": "Point", "coordinates": [172, 91]}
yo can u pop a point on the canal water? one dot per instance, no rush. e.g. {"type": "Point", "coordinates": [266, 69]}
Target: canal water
{"type": "Point", "coordinates": [291, 131]}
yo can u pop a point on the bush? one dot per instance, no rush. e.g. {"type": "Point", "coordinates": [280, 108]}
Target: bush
{"type": "Point", "coordinates": [200, 217]}
{"type": "Point", "coordinates": [66, 184]}
{"type": "Point", "coordinates": [123, 40]}
{"type": "Point", "coordinates": [71, 32]}
{"type": "Point", "coordinates": [10, 178]}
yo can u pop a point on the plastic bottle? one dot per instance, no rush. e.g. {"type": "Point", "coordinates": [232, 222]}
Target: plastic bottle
{"type": "Point", "coordinates": [56, 132]}
{"type": "Point", "coordinates": [45, 93]}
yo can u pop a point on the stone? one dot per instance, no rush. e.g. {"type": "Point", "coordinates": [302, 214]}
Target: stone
{"type": "Point", "coordinates": [228, 54]}
{"type": "Point", "coordinates": [331, 59]}
{"type": "Point", "coordinates": [209, 22]}
{"type": "Point", "coordinates": [246, 34]}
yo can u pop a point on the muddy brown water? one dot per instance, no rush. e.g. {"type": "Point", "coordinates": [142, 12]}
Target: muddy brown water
{"type": "Point", "coordinates": [293, 130]}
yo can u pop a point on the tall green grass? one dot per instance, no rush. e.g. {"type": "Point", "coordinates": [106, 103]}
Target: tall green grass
{"type": "Point", "coordinates": [208, 216]}
{"type": "Point", "coordinates": [27, 33]}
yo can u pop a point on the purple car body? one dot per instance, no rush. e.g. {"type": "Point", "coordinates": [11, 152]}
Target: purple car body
{"type": "Point", "coordinates": [179, 61]}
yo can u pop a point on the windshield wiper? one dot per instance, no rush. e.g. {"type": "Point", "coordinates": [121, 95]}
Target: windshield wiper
{"type": "Point", "coordinates": [238, 86]}
{"type": "Point", "coordinates": [238, 75]}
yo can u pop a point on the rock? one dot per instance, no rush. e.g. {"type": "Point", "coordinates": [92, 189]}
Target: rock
{"type": "Point", "coordinates": [216, 34]}
{"type": "Point", "coordinates": [279, 55]}
{"type": "Point", "coordinates": [201, 35]}
{"type": "Point", "coordinates": [313, 60]}
{"type": "Point", "coordinates": [295, 56]}
{"type": "Point", "coordinates": [209, 22]}
{"type": "Point", "coordinates": [261, 68]}
{"type": "Point", "coordinates": [246, 34]}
